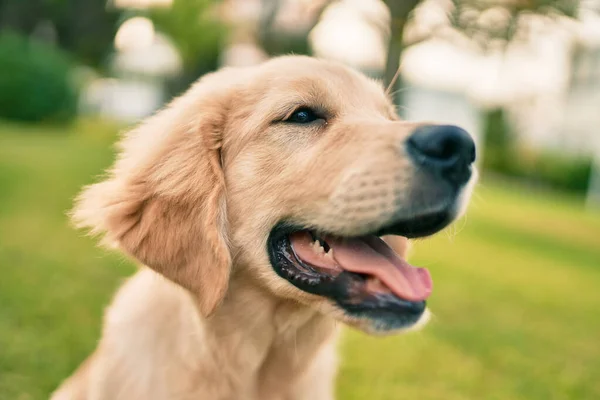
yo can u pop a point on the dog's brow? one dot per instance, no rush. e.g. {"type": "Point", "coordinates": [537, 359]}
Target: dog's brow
{"type": "Point", "coordinates": [281, 110]}
{"type": "Point", "coordinates": [309, 96]}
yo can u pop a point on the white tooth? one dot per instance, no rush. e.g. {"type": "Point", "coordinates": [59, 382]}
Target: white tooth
{"type": "Point", "coordinates": [318, 249]}
{"type": "Point", "coordinates": [329, 255]}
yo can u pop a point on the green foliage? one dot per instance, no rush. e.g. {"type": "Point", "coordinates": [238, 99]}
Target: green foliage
{"type": "Point", "coordinates": [34, 81]}
{"type": "Point", "coordinates": [553, 169]}
{"type": "Point", "coordinates": [502, 155]}
{"type": "Point", "coordinates": [196, 33]}
{"type": "Point", "coordinates": [84, 28]}
{"type": "Point", "coordinates": [498, 141]}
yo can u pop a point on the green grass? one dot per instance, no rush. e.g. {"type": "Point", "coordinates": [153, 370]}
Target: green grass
{"type": "Point", "coordinates": [516, 304]}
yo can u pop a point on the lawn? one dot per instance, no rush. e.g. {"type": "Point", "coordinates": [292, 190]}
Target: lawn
{"type": "Point", "coordinates": [516, 302]}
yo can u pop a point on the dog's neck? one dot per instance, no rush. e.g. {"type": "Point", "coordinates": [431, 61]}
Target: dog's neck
{"type": "Point", "coordinates": [270, 317]}
{"type": "Point", "coordinates": [273, 339]}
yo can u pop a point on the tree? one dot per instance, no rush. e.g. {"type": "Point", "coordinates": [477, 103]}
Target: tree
{"type": "Point", "coordinates": [465, 16]}
{"type": "Point", "coordinates": [400, 11]}
{"type": "Point", "coordinates": [468, 17]}
{"type": "Point", "coordinates": [85, 28]}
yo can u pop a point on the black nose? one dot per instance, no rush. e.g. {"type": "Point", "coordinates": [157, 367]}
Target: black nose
{"type": "Point", "coordinates": [445, 150]}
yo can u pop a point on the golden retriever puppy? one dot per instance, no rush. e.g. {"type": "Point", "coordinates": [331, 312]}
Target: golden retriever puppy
{"type": "Point", "coordinates": [256, 203]}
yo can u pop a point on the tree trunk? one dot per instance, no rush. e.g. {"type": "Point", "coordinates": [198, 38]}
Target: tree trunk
{"type": "Point", "coordinates": [400, 11]}
{"type": "Point", "coordinates": [269, 11]}
{"type": "Point", "coordinates": [276, 44]}
{"type": "Point", "coordinates": [394, 51]}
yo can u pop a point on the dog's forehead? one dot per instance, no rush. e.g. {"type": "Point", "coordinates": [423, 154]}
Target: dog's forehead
{"type": "Point", "coordinates": [275, 89]}
{"type": "Point", "coordinates": [305, 80]}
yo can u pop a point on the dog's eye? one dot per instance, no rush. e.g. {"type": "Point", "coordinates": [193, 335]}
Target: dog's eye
{"type": "Point", "coordinates": [303, 115]}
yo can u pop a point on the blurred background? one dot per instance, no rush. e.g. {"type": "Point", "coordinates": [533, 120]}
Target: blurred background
{"type": "Point", "coordinates": [517, 300]}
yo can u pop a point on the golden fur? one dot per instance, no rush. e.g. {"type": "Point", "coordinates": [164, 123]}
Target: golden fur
{"type": "Point", "coordinates": [193, 196]}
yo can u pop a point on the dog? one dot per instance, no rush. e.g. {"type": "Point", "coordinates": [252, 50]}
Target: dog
{"type": "Point", "coordinates": [256, 204]}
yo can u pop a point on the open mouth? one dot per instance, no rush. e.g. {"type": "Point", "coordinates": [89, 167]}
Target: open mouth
{"type": "Point", "coordinates": [362, 274]}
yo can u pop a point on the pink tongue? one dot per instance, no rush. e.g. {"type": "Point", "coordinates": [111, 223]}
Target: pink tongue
{"type": "Point", "coordinates": [367, 255]}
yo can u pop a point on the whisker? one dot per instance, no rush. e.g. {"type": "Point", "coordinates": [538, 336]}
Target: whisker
{"type": "Point", "coordinates": [393, 81]}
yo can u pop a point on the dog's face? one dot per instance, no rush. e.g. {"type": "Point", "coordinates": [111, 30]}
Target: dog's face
{"type": "Point", "coordinates": [324, 170]}
{"type": "Point", "coordinates": [308, 166]}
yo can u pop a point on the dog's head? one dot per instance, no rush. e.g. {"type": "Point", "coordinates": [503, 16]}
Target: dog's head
{"type": "Point", "coordinates": [292, 172]}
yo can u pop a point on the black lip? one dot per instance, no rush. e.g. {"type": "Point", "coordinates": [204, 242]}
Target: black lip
{"type": "Point", "coordinates": [384, 311]}
{"type": "Point", "coordinates": [419, 226]}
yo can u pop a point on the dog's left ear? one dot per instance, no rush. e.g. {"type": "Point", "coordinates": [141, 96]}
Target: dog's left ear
{"type": "Point", "coordinates": [164, 199]}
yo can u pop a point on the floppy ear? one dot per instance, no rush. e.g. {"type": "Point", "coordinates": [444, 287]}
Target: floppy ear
{"type": "Point", "coordinates": [163, 201]}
